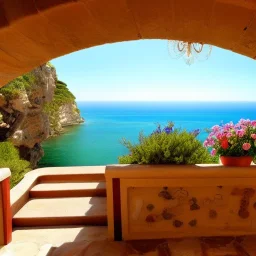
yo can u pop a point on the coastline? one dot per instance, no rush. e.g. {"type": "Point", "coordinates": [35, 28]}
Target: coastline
{"type": "Point", "coordinates": [63, 131]}
{"type": "Point", "coordinates": [98, 141]}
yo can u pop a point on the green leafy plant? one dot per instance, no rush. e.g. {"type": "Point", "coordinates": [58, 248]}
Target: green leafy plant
{"type": "Point", "coordinates": [49, 64]}
{"type": "Point", "coordinates": [52, 110]}
{"type": "Point", "coordinates": [62, 96]}
{"type": "Point", "coordinates": [14, 88]}
{"type": "Point", "coordinates": [166, 146]}
{"type": "Point", "coordinates": [10, 159]}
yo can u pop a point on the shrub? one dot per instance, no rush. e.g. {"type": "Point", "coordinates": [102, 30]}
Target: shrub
{"type": "Point", "coordinates": [10, 159]}
{"type": "Point", "coordinates": [14, 88]}
{"type": "Point", "coordinates": [52, 110]}
{"type": "Point", "coordinates": [49, 64]}
{"type": "Point", "coordinates": [167, 146]}
{"type": "Point", "coordinates": [62, 96]}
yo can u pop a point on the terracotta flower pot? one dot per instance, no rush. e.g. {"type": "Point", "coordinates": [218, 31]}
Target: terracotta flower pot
{"type": "Point", "coordinates": [241, 161]}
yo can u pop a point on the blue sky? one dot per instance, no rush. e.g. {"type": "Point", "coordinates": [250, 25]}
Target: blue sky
{"type": "Point", "coordinates": [143, 71]}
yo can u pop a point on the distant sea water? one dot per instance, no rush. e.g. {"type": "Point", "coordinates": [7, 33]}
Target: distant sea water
{"type": "Point", "coordinates": [97, 141]}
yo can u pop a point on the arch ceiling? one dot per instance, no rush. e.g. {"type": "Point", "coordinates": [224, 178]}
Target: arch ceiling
{"type": "Point", "coordinates": [35, 31]}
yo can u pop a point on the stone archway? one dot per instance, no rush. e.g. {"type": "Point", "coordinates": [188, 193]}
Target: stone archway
{"type": "Point", "coordinates": [35, 31]}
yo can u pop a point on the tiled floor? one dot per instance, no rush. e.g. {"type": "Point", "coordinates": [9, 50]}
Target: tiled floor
{"type": "Point", "coordinates": [38, 241]}
{"type": "Point", "coordinates": [181, 247]}
{"type": "Point", "coordinates": [92, 241]}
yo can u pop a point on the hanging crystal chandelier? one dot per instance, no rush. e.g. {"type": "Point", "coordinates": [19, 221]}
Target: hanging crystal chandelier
{"type": "Point", "coordinates": [189, 51]}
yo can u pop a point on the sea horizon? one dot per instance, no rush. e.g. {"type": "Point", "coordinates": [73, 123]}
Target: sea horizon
{"type": "Point", "coordinates": [164, 101]}
{"type": "Point", "coordinates": [97, 141]}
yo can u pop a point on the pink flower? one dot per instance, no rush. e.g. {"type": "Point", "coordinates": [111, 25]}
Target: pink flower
{"type": "Point", "coordinates": [240, 133]}
{"type": "Point", "coordinates": [245, 122]}
{"type": "Point", "coordinates": [253, 136]}
{"type": "Point", "coordinates": [253, 123]}
{"type": "Point", "coordinates": [243, 126]}
{"type": "Point", "coordinates": [216, 128]}
{"type": "Point", "coordinates": [229, 134]}
{"type": "Point", "coordinates": [227, 127]}
{"type": "Point", "coordinates": [246, 146]}
{"type": "Point", "coordinates": [219, 136]}
{"type": "Point", "coordinates": [213, 152]}
{"type": "Point", "coordinates": [209, 142]}
{"type": "Point", "coordinates": [211, 134]}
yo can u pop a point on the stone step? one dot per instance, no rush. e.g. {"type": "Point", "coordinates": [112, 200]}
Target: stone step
{"type": "Point", "coordinates": [75, 189]}
{"type": "Point", "coordinates": [62, 211]}
{"type": "Point", "coordinates": [64, 178]}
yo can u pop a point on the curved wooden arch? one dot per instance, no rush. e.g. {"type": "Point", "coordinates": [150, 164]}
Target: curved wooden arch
{"type": "Point", "coordinates": [35, 31]}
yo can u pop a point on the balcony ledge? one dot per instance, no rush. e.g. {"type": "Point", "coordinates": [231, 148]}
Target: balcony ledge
{"type": "Point", "coordinates": [4, 173]}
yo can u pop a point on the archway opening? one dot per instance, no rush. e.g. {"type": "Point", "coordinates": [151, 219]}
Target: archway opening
{"type": "Point", "coordinates": [38, 31]}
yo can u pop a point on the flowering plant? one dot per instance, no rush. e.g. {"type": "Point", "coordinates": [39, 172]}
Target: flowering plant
{"type": "Point", "coordinates": [233, 139]}
{"type": "Point", "coordinates": [166, 145]}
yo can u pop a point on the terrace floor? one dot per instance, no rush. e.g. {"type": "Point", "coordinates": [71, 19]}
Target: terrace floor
{"type": "Point", "coordinates": [92, 241]}
{"type": "Point", "coordinates": [74, 200]}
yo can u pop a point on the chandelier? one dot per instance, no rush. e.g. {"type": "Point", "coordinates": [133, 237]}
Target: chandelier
{"type": "Point", "coordinates": [189, 51]}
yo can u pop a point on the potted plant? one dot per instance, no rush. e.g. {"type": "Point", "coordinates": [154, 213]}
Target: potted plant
{"type": "Point", "coordinates": [234, 143]}
{"type": "Point", "coordinates": [166, 146]}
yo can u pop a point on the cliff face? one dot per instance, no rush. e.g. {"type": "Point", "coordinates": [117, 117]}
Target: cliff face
{"type": "Point", "coordinates": [23, 116]}
{"type": "Point", "coordinates": [69, 114]}
{"type": "Point", "coordinates": [62, 110]}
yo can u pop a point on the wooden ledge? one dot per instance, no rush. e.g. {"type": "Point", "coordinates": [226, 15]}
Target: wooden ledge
{"type": "Point", "coordinates": [4, 173]}
{"type": "Point", "coordinates": [178, 171]}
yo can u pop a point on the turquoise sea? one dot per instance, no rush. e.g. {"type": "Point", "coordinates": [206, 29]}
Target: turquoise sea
{"type": "Point", "coordinates": [97, 141]}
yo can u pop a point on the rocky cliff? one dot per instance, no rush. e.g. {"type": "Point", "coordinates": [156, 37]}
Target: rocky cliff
{"type": "Point", "coordinates": [34, 107]}
{"type": "Point", "coordinates": [69, 114]}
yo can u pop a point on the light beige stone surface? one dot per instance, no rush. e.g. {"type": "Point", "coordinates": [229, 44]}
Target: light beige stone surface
{"type": "Point", "coordinates": [45, 250]}
{"type": "Point", "coordinates": [56, 236]}
{"type": "Point", "coordinates": [20, 193]}
{"type": "Point", "coordinates": [92, 241]}
{"type": "Point", "coordinates": [40, 241]}
{"type": "Point", "coordinates": [68, 186]}
{"type": "Point", "coordinates": [63, 207]}
{"type": "Point", "coordinates": [4, 173]}
{"type": "Point", "coordinates": [20, 249]}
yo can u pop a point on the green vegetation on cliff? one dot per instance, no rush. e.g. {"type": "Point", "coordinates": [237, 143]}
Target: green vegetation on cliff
{"type": "Point", "coordinates": [10, 159]}
{"type": "Point", "coordinates": [38, 85]}
{"type": "Point", "coordinates": [9, 154]}
{"type": "Point", "coordinates": [22, 83]}
{"type": "Point", "coordinates": [49, 64]}
{"type": "Point", "coordinates": [62, 96]}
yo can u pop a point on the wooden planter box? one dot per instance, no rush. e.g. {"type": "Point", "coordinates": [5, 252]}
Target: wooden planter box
{"type": "Point", "coordinates": [154, 202]}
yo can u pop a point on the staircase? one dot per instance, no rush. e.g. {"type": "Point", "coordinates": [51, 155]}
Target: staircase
{"type": "Point", "coordinates": [59, 200]}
